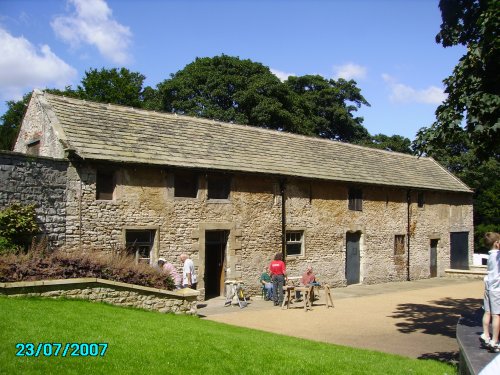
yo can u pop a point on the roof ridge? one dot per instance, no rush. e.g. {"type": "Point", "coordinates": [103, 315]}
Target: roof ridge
{"type": "Point", "coordinates": [234, 125]}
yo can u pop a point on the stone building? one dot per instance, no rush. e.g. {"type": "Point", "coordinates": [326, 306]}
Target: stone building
{"type": "Point", "coordinates": [232, 196]}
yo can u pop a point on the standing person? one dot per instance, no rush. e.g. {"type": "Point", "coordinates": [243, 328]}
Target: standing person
{"type": "Point", "coordinates": [265, 280]}
{"type": "Point", "coordinates": [189, 279]}
{"type": "Point", "coordinates": [278, 273]}
{"type": "Point", "coordinates": [492, 295]}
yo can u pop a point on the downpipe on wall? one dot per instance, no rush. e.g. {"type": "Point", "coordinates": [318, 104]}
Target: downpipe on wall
{"type": "Point", "coordinates": [408, 230]}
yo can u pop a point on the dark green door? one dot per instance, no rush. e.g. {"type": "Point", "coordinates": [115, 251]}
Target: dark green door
{"type": "Point", "coordinates": [352, 265]}
{"type": "Point", "coordinates": [459, 250]}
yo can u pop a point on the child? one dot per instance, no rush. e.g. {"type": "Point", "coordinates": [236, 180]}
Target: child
{"type": "Point", "coordinates": [492, 294]}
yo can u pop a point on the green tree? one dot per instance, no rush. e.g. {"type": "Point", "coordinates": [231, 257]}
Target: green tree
{"type": "Point", "coordinates": [473, 103]}
{"type": "Point", "coordinates": [112, 86]}
{"type": "Point", "coordinates": [330, 106]}
{"type": "Point", "coordinates": [465, 135]}
{"type": "Point", "coordinates": [396, 143]}
{"type": "Point", "coordinates": [228, 89]}
{"type": "Point", "coordinates": [11, 121]}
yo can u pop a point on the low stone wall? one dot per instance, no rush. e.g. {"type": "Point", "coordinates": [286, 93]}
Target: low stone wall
{"type": "Point", "coordinates": [473, 273]}
{"type": "Point", "coordinates": [183, 301]}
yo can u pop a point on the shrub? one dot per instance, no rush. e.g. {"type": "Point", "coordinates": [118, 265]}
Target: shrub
{"type": "Point", "coordinates": [18, 226]}
{"type": "Point", "coordinates": [35, 265]}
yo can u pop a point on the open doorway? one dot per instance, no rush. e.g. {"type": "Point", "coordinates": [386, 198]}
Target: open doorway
{"type": "Point", "coordinates": [215, 260]}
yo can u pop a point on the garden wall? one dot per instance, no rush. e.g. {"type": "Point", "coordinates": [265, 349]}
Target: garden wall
{"type": "Point", "coordinates": [183, 301]}
{"type": "Point", "coordinates": [40, 181]}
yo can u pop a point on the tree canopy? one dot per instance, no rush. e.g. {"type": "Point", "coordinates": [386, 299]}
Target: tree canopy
{"type": "Point", "coordinates": [473, 103]}
{"type": "Point", "coordinates": [330, 105]}
{"type": "Point", "coordinates": [228, 89]}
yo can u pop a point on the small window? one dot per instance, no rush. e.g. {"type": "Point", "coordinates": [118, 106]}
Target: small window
{"type": "Point", "coordinates": [140, 244]}
{"type": "Point", "coordinates": [218, 186]}
{"type": "Point", "coordinates": [420, 199]}
{"type": "Point", "coordinates": [33, 148]}
{"type": "Point", "coordinates": [295, 242]}
{"type": "Point", "coordinates": [399, 244]}
{"type": "Point", "coordinates": [355, 199]}
{"type": "Point", "coordinates": [105, 185]}
{"type": "Point", "coordinates": [186, 185]}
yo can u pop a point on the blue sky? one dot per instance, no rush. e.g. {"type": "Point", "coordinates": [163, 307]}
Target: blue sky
{"type": "Point", "coordinates": [386, 46]}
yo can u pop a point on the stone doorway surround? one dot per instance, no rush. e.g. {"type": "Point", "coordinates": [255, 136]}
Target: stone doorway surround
{"type": "Point", "coordinates": [233, 261]}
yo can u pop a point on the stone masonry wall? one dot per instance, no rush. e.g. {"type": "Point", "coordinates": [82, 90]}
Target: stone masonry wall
{"type": "Point", "coordinates": [39, 181]}
{"type": "Point", "coordinates": [143, 198]}
{"type": "Point", "coordinates": [115, 293]}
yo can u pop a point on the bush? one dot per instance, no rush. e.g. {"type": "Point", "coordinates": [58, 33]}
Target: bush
{"type": "Point", "coordinates": [36, 265]}
{"type": "Point", "coordinates": [18, 226]}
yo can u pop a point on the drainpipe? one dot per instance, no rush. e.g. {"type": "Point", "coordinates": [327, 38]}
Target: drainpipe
{"type": "Point", "coordinates": [283, 217]}
{"type": "Point", "coordinates": [408, 218]}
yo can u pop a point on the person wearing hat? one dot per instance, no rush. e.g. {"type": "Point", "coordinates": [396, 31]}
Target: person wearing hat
{"type": "Point", "coordinates": [169, 269]}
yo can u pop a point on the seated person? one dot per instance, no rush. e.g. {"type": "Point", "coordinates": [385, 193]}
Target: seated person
{"type": "Point", "coordinates": [307, 279]}
{"type": "Point", "coordinates": [265, 280]}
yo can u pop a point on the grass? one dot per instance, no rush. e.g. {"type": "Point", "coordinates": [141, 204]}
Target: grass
{"type": "Point", "coordinates": [154, 343]}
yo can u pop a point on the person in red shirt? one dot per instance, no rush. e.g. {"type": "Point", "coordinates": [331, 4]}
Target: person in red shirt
{"type": "Point", "coordinates": [278, 273]}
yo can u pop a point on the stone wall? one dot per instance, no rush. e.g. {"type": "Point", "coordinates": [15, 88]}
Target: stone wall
{"type": "Point", "coordinates": [40, 181]}
{"type": "Point", "coordinates": [97, 290]}
{"type": "Point", "coordinates": [143, 198]}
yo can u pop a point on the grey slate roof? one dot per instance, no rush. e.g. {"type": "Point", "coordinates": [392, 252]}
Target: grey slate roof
{"type": "Point", "coordinates": [122, 134]}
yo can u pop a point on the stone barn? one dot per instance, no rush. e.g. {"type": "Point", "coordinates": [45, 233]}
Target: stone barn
{"type": "Point", "coordinates": [232, 196]}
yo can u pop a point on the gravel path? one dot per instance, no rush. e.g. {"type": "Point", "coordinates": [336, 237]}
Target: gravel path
{"type": "Point", "coordinates": [415, 319]}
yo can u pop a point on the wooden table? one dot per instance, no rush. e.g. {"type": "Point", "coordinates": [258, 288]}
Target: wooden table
{"type": "Point", "coordinates": [287, 292]}
{"type": "Point", "coordinates": [307, 296]}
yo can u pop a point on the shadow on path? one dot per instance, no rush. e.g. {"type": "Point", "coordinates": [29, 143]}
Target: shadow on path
{"type": "Point", "coordinates": [438, 317]}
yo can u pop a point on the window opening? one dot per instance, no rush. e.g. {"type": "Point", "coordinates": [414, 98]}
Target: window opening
{"type": "Point", "coordinates": [294, 243]}
{"type": "Point", "coordinates": [186, 185]}
{"type": "Point", "coordinates": [355, 199]}
{"type": "Point", "coordinates": [399, 244]}
{"type": "Point", "coordinates": [105, 185]}
{"type": "Point", "coordinates": [218, 186]}
{"type": "Point", "coordinates": [140, 244]}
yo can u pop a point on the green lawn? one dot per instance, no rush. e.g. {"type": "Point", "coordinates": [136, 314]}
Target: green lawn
{"type": "Point", "coordinates": [153, 343]}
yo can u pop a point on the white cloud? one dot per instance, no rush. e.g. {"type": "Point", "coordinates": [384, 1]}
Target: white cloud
{"type": "Point", "coordinates": [283, 76]}
{"type": "Point", "coordinates": [401, 93]}
{"type": "Point", "coordinates": [349, 71]}
{"type": "Point", "coordinates": [92, 23]}
{"type": "Point", "coordinates": [23, 67]}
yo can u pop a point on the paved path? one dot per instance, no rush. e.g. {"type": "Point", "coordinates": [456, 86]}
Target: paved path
{"type": "Point", "coordinates": [416, 319]}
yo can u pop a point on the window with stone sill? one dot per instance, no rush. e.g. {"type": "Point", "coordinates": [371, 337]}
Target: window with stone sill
{"type": "Point", "coordinates": [295, 243]}
{"type": "Point", "coordinates": [140, 243]}
{"type": "Point", "coordinates": [105, 185]}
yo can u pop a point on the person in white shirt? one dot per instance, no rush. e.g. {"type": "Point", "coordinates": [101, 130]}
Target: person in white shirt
{"type": "Point", "coordinates": [189, 278]}
{"type": "Point", "coordinates": [492, 295]}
